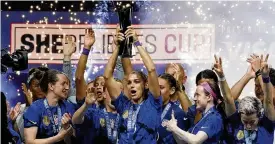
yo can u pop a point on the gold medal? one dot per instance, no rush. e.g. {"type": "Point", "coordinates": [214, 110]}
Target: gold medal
{"type": "Point", "coordinates": [102, 122]}
{"type": "Point", "coordinates": [125, 114]}
{"type": "Point", "coordinates": [46, 120]}
{"type": "Point", "coordinates": [240, 135]}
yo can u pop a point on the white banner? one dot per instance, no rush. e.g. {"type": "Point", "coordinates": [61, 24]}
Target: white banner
{"type": "Point", "coordinates": [164, 43]}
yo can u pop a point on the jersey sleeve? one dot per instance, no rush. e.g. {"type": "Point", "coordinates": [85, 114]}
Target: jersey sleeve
{"type": "Point", "coordinates": [157, 103]}
{"type": "Point", "coordinates": [120, 103]}
{"type": "Point", "coordinates": [32, 116]}
{"type": "Point", "coordinates": [183, 122]}
{"type": "Point", "coordinates": [213, 126]}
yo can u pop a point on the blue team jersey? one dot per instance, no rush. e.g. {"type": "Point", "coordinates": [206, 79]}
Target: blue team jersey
{"type": "Point", "coordinates": [166, 137]}
{"type": "Point", "coordinates": [37, 116]}
{"type": "Point", "coordinates": [14, 134]}
{"type": "Point", "coordinates": [212, 124]}
{"type": "Point", "coordinates": [191, 114]}
{"type": "Point", "coordinates": [147, 122]}
{"type": "Point", "coordinates": [96, 122]}
{"type": "Point", "coordinates": [264, 133]}
{"type": "Point", "coordinates": [86, 132]}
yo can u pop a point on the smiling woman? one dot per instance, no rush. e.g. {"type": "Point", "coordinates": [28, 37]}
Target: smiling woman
{"type": "Point", "coordinates": [48, 120]}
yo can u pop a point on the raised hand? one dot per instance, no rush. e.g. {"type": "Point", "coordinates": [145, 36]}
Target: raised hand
{"type": "Point", "coordinates": [118, 37]}
{"type": "Point", "coordinates": [177, 75]}
{"type": "Point", "coordinates": [68, 46]}
{"type": "Point", "coordinates": [171, 124]}
{"type": "Point", "coordinates": [65, 121]}
{"type": "Point", "coordinates": [91, 97]}
{"type": "Point", "coordinates": [250, 72]}
{"type": "Point", "coordinates": [130, 32]}
{"type": "Point", "coordinates": [265, 69]}
{"type": "Point", "coordinates": [14, 112]}
{"type": "Point", "coordinates": [27, 93]}
{"type": "Point", "coordinates": [89, 38]}
{"type": "Point", "coordinates": [217, 67]}
{"type": "Point", "coordinates": [255, 62]}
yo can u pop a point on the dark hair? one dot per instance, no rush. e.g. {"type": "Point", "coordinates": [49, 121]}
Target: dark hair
{"type": "Point", "coordinates": [207, 74]}
{"type": "Point", "coordinates": [49, 76]}
{"type": "Point", "coordinates": [144, 80]}
{"type": "Point", "coordinates": [6, 135]}
{"type": "Point", "coordinates": [97, 78]}
{"type": "Point", "coordinates": [42, 68]}
{"type": "Point", "coordinates": [272, 76]}
{"type": "Point", "coordinates": [4, 118]}
{"type": "Point", "coordinates": [141, 74]}
{"type": "Point", "coordinates": [36, 73]}
{"type": "Point", "coordinates": [171, 80]}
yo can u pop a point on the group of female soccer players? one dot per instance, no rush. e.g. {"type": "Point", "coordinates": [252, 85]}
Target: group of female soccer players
{"type": "Point", "coordinates": [148, 108]}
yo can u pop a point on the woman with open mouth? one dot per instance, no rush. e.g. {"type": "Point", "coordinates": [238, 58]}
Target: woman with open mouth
{"type": "Point", "coordinates": [142, 111]}
{"type": "Point", "coordinates": [96, 120]}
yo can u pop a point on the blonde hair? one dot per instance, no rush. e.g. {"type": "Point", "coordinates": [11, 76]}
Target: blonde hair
{"type": "Point", "coordinates": [250, 105]}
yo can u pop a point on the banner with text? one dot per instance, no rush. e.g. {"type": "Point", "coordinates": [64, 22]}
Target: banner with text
{"type": "Point", "coordinates": [164, 43]}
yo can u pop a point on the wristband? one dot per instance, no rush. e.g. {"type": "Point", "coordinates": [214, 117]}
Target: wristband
{"type": "Point", "coordinates": [137, 43]}
{"type": "Point", "coordinates": [258, 73]}
{"type": "Point", "coordinates": [85, 51]}
{"type": "Point", "coordinates": [266, 79]}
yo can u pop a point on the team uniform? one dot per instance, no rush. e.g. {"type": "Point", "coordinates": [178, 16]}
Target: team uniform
{"type": "Point", "coordinates": [212, 124]}
{"type": "Point", "coordinates": [86, 132]}
{"type": "Point", "coordinates": [105, 125]}
{"type": "Point", "coordinates": [46, 118]}
{"type": "Point", "coordinates": [264, 134]}
{"type": "Point", "coordinates": [166, 137]}
{"type": "Point", "coordinates": [139, 122]}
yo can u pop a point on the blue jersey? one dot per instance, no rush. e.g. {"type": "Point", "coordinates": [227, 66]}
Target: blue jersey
{"type": "Point", "coordinates": [191, 114]}
{"type": "Point", "coordinates": [166, 137]}
{"type": "Point", "coordinates": [14, 134]}
{"type": "Point", "coordinates": [86, 132]}
{"type": "Point", "coordinates": [103, 121]}
{"type": "Point", "coordinates": [38, 116]}
{"type": "Point", "coordinates": [147, 122]}
{"type": "Point", "coordinates": [212, 124]}
{"type": "Point", "coordinates": [264, 132]}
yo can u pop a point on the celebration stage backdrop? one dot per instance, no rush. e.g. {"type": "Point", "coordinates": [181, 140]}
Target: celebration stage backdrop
{"type": "Point", "coordinates": [184, 32]}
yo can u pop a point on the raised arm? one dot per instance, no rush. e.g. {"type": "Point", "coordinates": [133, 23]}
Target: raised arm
{"type": "Point", "coordinates": [68, 49]}
{"type": "Point", "coordinates": [236, 90]}
{"type": "Point", "coordinates": [80, 83]}
{"type": "Point", "coordinates": [181, 95]}
{"type": "Point", "coordinates": [111, 84]}
{"type": "Point", "coordinates": [127, 68]}
{"type": "Point", "coordinates": [230, 107]}
{"type": "Point", "coordinates": [147, 61]}
{"type": "Point", "coordinates": [184, 100]}
{"type": "Point", "coordinates": [78, 117]}
{"type": "Point", "coordinates": [269, 110]}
